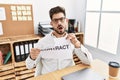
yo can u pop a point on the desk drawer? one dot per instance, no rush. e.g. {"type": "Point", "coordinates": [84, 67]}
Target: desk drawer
{"type": "Point", "coordinates": [7, 72]}
{"type": "Point", "coordinates": [21, 72]}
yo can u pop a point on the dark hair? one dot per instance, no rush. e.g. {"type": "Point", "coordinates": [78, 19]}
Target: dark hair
{"type": "Point", "coordinates": [56, 10]}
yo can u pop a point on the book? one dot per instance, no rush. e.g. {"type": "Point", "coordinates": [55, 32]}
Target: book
{"type": "Point", "coordinates": [1, 58]}
{"type": "Point", "coordinates": [7, 57]}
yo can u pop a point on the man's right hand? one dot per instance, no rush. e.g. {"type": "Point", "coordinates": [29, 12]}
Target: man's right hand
{"type": "Point", "coordinates": [34, 53]}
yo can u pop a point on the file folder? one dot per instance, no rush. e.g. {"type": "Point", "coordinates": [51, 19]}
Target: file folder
{"type": "Point", "coordinates": [30, 45]}
{"type": "Point", "coordinates": [16, 51]}
{"type": "Point", "coordinates": [22, 50]}
{"type": "Point", "coordinates": [26, 45]}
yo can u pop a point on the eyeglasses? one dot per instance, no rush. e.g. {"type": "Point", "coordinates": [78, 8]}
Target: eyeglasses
{"type": "Point", "coordinates": [62, 19]}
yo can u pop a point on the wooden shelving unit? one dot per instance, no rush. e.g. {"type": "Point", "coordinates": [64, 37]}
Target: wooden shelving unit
{"type": "Point", "coordinates": [80, 37]}
{"type": "Point", "coordinates": [17, 27]}
{"type": "Point", "coordinates": [17, 70]}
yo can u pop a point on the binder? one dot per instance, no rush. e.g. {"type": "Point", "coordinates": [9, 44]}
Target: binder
{"type": "Point", "coordinates": [22, 50]}
{"type": "Point", "coordinates": [34, 43]}
{"type": "Point", "coordinates": [26, 45]}
{"type": "Point", "coordinates": [20, 55]}
{"type": "Point", "coordinates": [16, 51]}
{"type": "Point", "coordinates": [30, 45]}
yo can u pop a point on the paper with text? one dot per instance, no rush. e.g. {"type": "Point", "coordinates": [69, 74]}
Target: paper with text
{"type": "Point", "coordinates": [55, 48]}
{"type": "Point", "coordinates": [2, 13]}
{"type": "Point", "coordinates": [1, 30]}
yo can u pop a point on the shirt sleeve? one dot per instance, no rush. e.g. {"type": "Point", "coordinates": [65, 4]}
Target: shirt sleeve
{"type": "Point", "coordinates": [30, 63]}
{"type": "Point", "coordinates": [84, 55]}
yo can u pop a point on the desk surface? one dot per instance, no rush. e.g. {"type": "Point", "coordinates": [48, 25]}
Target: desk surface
{"type": "Point", "coordinates": [97, 65]}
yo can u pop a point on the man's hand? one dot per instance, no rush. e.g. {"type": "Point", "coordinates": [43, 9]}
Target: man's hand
{"type": "Point", "coordinates": [74, 40]}
{"type": "Point", "coordinates": [34, 53]}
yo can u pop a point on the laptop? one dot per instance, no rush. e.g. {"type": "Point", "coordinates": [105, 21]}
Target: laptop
{"type": "Point", "coordinates": [84, 74]}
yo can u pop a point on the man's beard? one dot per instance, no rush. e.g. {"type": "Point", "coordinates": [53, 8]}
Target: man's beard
{"type": "Point", "coordinates": [59, 32]}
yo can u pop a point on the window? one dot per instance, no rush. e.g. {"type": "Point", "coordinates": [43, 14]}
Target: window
{"type": "Point", "coordinates": [102, 24]}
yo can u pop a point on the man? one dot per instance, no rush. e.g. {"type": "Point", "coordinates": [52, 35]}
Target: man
{"type": "Point", "coordinates": [55, 51]}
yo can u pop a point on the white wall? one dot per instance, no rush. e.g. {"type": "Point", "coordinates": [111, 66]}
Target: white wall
{"type": "Point", "coordinates": [41, 8]}
{"type": "Point", "coordinates": [81, 13]}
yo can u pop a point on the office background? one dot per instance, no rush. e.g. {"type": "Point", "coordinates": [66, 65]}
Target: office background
{"type": "Point", "coordinates": [75, 9]}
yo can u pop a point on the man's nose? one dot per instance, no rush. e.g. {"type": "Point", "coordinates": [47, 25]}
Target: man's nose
{"type": "Point", "coordinates": [59, 22]}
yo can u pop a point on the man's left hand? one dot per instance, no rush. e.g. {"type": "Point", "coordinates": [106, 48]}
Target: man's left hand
{"type": "Point", "coordinates": [73, 39]}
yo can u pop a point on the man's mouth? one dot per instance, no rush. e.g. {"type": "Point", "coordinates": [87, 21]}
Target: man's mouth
{"type": "Point", "coordinates": [60, 27]}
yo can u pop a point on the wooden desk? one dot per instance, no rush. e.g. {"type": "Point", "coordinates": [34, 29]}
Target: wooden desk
{"type": "Point", "coordinates": [97, 65]}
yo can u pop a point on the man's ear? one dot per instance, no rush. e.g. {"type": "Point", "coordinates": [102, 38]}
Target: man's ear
{"type": "Point", "coordinates": [51, 23]}
{"type": "Point", "coordinates": [67, 20]}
